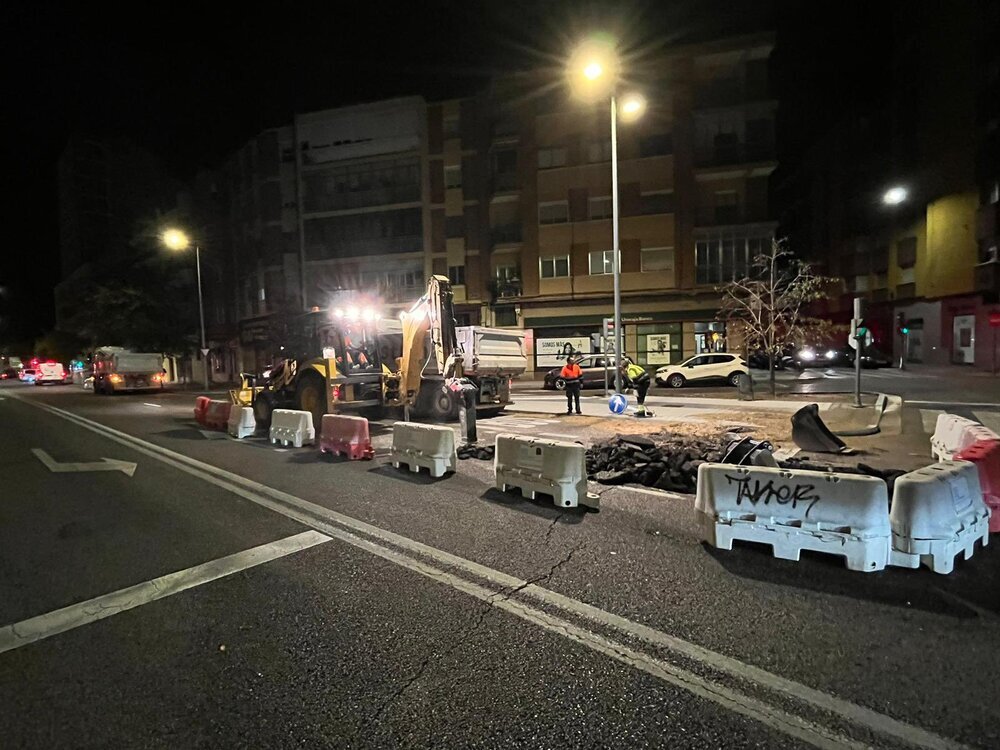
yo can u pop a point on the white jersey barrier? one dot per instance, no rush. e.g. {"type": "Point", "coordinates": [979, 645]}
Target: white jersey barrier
{"type": "Point", "coordinates": [839, 514]}
{"type": "Point", "coordinates": [291, 427]}
{"type": "Point", "coordinates": [551, 467]}
{"type": "Point", "coordinates": [937, 512]}
{"type": "Point", "coordinates": [424, 445]}
{"type": "Point", "coordinates": [242, 422]}
{"type": "Point", "coordinates": [953, 434]}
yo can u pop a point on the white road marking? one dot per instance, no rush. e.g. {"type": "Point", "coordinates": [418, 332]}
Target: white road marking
{"type": "Point", "coordinates": [928, 418]}
{"type": "Point", "coordinates": [158, 406]}
{"type": "Point", "coordinates": [321, 518]}
{"type": "Point", "coordinates": [76, 615]}
{"type": "Point", "coordinates": [989, 419]}
{"type": "Point", "coordinates": [105, 464]}
{"type": "Point", "coordinates": [650, 491]}
{"type": "Point", "coordinates": [955, 403]}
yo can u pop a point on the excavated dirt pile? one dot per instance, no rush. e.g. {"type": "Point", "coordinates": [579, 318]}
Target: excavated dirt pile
{"type": "Point", "coordinates": [664, 460]}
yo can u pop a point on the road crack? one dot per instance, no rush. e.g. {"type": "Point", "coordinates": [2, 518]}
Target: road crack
{"type": "Point", "coordinates": [467, 632]}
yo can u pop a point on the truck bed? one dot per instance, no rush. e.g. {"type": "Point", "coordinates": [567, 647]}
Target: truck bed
{"type": "Point", "coordinates": [492, 351]}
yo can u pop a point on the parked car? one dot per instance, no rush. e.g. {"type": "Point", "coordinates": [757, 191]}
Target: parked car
{"type": "Point", "coordinates": [592, 367]}
{"type": "Point", "coordinates": [871, 359]}
{"type": "Point", "coordinates": [703, 369]}
{"type": "Point", "coordinates": [758, 360]}
{"type": "Point", "coordinates": [9, 373]}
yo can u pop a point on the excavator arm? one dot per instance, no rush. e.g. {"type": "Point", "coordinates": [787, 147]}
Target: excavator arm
{"type": "Point", "coordinates": [431, 319]}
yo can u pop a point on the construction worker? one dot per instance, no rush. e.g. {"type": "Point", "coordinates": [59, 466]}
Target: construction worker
{"type": "Point", "coordinates": [572, 375]}
{"type": "Point", "coordinates": [636, 377]}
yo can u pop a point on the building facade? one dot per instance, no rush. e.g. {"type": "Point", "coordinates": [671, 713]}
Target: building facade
{"type": "Point", "coordinates": [508, 193]}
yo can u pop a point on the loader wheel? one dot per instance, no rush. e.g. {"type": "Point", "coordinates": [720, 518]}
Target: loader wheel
{"type": "Point", "coordinates": [435, 402]}
{"type": "Point", "coordinates": [309, 397]}
{"type": "Point", "coordinates": [262, 408]}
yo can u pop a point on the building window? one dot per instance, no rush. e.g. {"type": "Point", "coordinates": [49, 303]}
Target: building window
{"type": "Point", "coordinates": [553, 213]}
{"type": "Point", "coordinates": [456, 275]}
{"type": "Point", "coordinates": [601, 262]}
{"type": "Point", "coordinates": [660, 144]}
{"type": "Point", "coordinates": [660, 202]}
{"type": "Point", "coordinates": [505, 316]}
{"type": "Point", "coordinates": [727, 207]}
{"type": "Point", "coordinates": [861, 284]}
{"type": "Point", "coordinates": [449, 127]}
{"type": "Point", "coordinates": [720, 258]}
{"type": "Point", "coordinates": [551, 157]}
{"type": "Point", "coordinates": [453, 177]}
{"type": "Point", "coordinates": [554, 267]}
{"type": "Point", "coordinates": [598, 151]}
{"type": "Point", "coordinates": [507, 272]}
{"type": "Point", "coordinates": [906, 252]}
{"type": "Point", "coordinates": [454, 227]}
{"type": "Point", "coordinates": [656, 259]}
{"type": "Point", "coordinates": [600, 208]}
{"type": "Point", "coordinates": [907, 276]}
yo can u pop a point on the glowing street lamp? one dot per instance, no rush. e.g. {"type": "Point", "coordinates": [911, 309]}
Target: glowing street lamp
{"type": "Point", "coordinates": [177, 240]}
{"type": "Point", "coordinates": [592, 74]}
{"type": "Point", "coordinates": [894, 195]}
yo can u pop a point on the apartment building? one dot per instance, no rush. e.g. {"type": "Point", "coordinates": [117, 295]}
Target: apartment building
{"type": "Point", "coordinates": [924, 258]}
{"type": "Point", "coordinates": [693, 177]}
{"type": "Point", "coordinates": [508, 193]}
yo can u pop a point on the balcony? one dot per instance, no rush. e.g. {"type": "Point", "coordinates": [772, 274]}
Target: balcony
{"type": "Point", "coordinates": [507, 234]}
{"type": "Point", "coordinates": [986, 276]}
{"type": "Point", "coordinates": [735, 153]}
{"type": "Point", "coordinates": [504, 182]}
{"type": "Point", "coordinates": [710, 216]}
{"type": "Point", "coordinates": [505, 288]}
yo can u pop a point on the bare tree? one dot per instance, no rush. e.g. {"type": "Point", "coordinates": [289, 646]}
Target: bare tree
{"type": "Point", "coordinates": [770, 301]}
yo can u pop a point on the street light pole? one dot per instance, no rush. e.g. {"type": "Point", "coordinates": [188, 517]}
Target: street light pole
{"type": "Point", "coordinates": [615, 266]}
{"type": "Point", "coordinates": [201, 314]}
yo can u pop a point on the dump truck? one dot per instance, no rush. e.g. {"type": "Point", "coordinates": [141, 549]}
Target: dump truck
{"type": "Point", "coordinates": [351, 360]}
{"type": "Point", "coordinates": [118, 370]}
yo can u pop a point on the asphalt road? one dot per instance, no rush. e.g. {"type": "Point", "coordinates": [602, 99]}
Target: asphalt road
{"type": "Point", "coordinates": [231, 594]}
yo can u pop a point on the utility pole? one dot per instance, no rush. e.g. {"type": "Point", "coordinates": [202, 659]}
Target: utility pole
{"type": "Point", "coordinates": [858, 333]}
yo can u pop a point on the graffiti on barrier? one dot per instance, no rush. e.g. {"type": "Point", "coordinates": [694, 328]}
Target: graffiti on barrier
{"type": "Point", "coordinates": [756, 491]}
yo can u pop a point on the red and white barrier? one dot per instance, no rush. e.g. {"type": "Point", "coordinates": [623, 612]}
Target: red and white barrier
{"type": "Point", "coordinates": [200, 406]}
{"type": "Point", "coordinates": [839, 514]}
{"type": "Point", "coordinates": [217, 415]}
{"type": "Point", "coordinates": [938, 512]}
{"type": "Point", "coordinates": [953, 434]}
{"type": "Point", "coordinates": [985, 454]}
{"type": "Point", "coordinates": [292, 427]}
{"type": "Point", "coordinates": [344, 435]}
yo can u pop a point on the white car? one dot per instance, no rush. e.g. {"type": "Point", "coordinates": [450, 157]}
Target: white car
{"type": "Point", "coordinates": [50, 372]}
{"type": "Point", "coordinates": [703, 368]}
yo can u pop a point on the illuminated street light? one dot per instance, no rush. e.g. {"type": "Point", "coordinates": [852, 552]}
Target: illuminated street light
{"type": "Point", "coordinates": [894, 196]}
{"type": "Point", "coordinates": [177, 240]}
{"type": "Point", "coordinates": [592, 73]}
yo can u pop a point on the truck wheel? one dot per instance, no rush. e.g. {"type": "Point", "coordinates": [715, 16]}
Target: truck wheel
{"type": "Point", "coordinates": [435, 402]}
{"type": "Point", "coordinates": [309, 397]}
{"type": "Point", "coordinates": [262, 408]}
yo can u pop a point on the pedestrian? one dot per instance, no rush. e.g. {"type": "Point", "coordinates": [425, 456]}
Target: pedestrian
{"type": "Point", "coordinates": [637, 378]}
{"type": "Point", "coordinates": [572, 376]}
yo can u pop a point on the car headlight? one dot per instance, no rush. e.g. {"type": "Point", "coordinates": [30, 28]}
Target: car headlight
{"type": "Point", "coordinates": [831, 354]}
{"type": "Point", "coordinates": [808, 355]}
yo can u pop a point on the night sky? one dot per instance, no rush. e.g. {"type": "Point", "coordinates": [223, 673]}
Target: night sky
{"type": "Point", "coordinates": [191, 84]}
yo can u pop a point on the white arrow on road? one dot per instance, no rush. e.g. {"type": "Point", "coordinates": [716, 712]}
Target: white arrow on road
{"type": "Point", "coordinates": [105, 464]}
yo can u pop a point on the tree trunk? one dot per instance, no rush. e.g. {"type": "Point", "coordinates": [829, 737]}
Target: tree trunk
{"type": "Point", "coordinates": [770, 374]}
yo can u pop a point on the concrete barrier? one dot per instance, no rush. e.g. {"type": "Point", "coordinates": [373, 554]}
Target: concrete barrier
{"type": "Point", "coordinates": [838, 514]}
{"type": "Point", "coordinates": [551, 467]}
{"type": "Point", "coordinates": [242, 422]}
{"type": "Point", "coordinates": [217, 414]}
{"type": "Point", "coordinates": [292, 427]}
{"type": "Point", "coordinates": [424, 445]}
{"type": "Point", "coordinates": [985, 454]}
{"type": "Point", "coordinates": [953, 433]}
{"type": "Point", "coordinates": [345, 435]}
{"type": "Point", "coordinates": [200, 406]}
{"type": "Point", "coordinates": [938, 512]}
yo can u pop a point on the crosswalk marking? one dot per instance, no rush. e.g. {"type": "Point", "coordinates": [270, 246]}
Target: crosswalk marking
{"type": "Point", "coordinates": [929, 419]}
{"type": "Point", "coordinates": [989, 419]}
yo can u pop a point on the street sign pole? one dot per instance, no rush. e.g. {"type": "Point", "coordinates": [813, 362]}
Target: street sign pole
{"type": "Point", "coordinates": [857, 352]}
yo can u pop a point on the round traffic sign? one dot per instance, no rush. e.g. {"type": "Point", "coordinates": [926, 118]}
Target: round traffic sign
{"type": "Point", "coordinates": [617, 404]}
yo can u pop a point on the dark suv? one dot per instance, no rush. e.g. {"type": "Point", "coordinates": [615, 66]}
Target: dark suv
{"type": "Point", "coordinates": [592, 366]}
